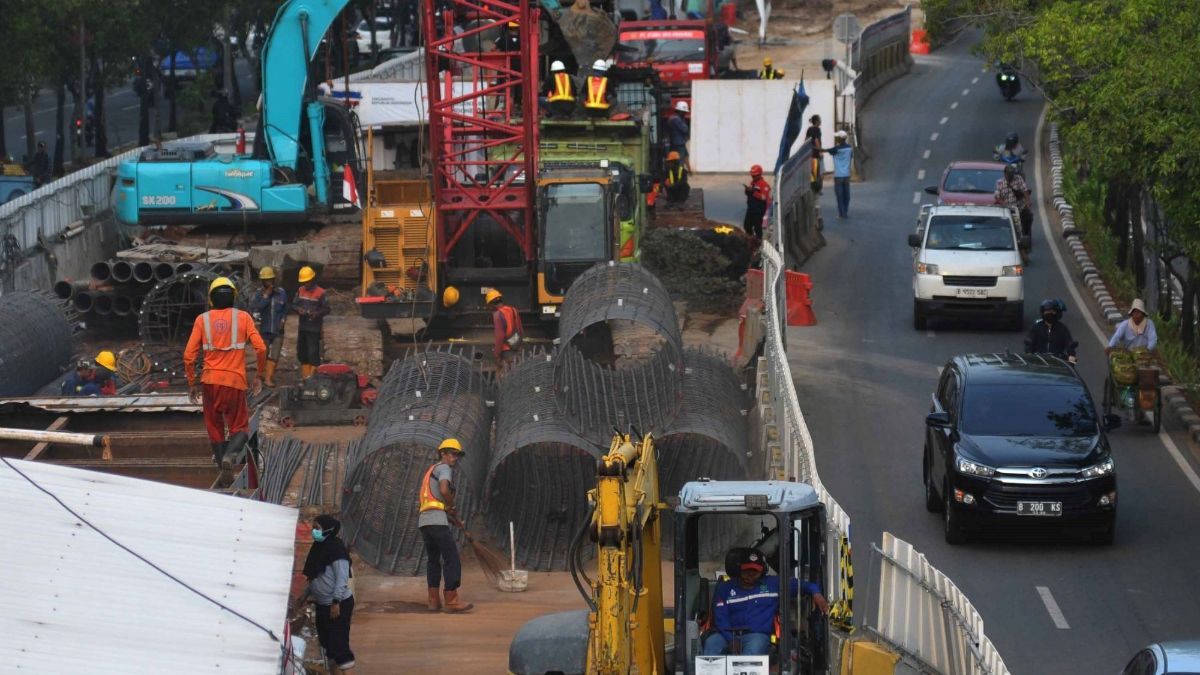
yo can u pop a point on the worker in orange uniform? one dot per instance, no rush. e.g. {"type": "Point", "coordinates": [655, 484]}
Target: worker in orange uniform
{"type": "Point", "coordinates": [758, 196]}
{"type": "Point", "coordinates": [506, 328]}
{"type": "Point", "coordinates": [560, 92]}
{"type": "Point", "coordinates": [599, 98]}
{"type": "Point", "coordinates": [312, 306]}
{"type": "Point", "coordinates": [223, 333]}
{"type": "Point", "coordinates": [436, 512]}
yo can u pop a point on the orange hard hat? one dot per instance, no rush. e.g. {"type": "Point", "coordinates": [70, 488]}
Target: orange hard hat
{"type": "Point", "coordinates": [672, 156]}
{"type": "Point", "coordinates": [756, 170]}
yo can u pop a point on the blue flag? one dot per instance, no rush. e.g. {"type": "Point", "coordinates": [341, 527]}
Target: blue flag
{"type": "Point", "coordinates": [791, 129]}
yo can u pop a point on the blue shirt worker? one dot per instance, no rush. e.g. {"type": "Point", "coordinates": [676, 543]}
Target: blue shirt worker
{"type": "Point", "coordinates": [1136, 332]}
{"type": "Point", "coordinates": [269, 307]}
{"type": "Point", "coordinates": [93, 378]}
{"type": "Point", "coordinates": [749, 606]}
{"type": "Point", "coordinates": [842, 156]}
{"type": "Point", "coordinates": [679, 131]}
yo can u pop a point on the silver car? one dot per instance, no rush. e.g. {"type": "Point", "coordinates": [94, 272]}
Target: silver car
{"type": "Point", "coordinates": [1166, 658]}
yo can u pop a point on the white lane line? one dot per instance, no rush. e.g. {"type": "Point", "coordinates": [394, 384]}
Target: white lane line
{"type": "Point", "coordinates": [1169, 443]}
{"type": "Point", "coordinates": [921, 174]}
{"type": "Point", "coordinates": [130, 107]}
{"type": "Point", "coordinates": [933, 136]}
{"type": "Point", "coordinates": [925, 155]}
{"type": "Point", "coordinates": [966, 91]}
{"type": "Point", "coordinates": [974, 80]}
{"type": "Point", "coordinates": [944, 120]}
{"type": "Point", "coordinates": [916, 197]}
{"type": "Point", "coordinates": [929, 333]}
{"type": "Point", "coordinates": [1052, 609]}
{"type": "Point", "coordinates": [35, 134]}
{"type": "Point", "coordinates": [940, 368]}
{"type": "Point", "coordinates": [954, 105]}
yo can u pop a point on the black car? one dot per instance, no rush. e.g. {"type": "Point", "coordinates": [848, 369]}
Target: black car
{"type": "Point", "coordinates": [1015, 440]}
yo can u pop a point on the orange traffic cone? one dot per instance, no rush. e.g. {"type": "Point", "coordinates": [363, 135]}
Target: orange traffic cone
{"type": "Point", "coordinates": [920, 42]}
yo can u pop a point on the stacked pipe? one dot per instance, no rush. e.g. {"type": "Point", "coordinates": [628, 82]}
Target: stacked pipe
{"type": "Point", "coordinates": [540, 471]}
{"type": "Point", "coordinates": [36, 341]}
{"type": "Point", "coordinates": [117, 288]}
{"type": "Point", "coordinates": [425, 398]}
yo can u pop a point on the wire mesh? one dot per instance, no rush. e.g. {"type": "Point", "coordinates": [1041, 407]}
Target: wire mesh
{"type": "Point", "coordinates": [36, 341]}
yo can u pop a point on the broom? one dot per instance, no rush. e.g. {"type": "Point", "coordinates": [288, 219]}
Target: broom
{"type": "Point", "coordinates": [490, 560]}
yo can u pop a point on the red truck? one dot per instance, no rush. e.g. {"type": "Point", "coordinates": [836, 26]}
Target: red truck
{"type": "Point", "coordinates": [679, 50]}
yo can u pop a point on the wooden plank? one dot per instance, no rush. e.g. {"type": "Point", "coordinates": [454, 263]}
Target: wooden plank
{"type": "Point", "coordinates": [41, 447]}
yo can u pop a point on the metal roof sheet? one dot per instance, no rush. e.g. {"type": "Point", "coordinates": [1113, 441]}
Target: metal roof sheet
{"type": "Point", "coordinates": [75, 602]}
{"type": "Point", "coordinates": [129, 403]}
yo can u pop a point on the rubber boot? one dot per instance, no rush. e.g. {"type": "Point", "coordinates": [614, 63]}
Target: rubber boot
{"type": "Point", "coordinates": [269, 375]}
{"type": "Point", "coordinates": [232, 447]}
{"type": "Point", "coordinates": [306, 371]}
{"type": "Point", "coordinates": [453, 606]}
{"type": "Point", "coordinates": [435, 600]}
{"type": "Point", "coordinates": [218, 452]}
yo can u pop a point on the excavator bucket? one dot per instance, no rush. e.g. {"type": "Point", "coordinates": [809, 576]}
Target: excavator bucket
{"type": "Point", "coordinates": [590, 33]}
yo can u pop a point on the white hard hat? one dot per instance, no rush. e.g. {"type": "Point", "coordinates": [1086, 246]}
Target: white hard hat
{"type": "Point", "coordinates": [557, 66]}
{"type": "Point", "coordinates": [600, 65]}
{"type": "Point", "coordinates": [682, 106]}
{"type": "Point", "coordinates": [841, 134]}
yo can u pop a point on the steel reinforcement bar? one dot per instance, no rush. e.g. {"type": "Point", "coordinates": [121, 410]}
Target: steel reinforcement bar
{"type": "Point", "coordinates": [36, 341]}
{"type": "Point", "coordinates": [426, 397]}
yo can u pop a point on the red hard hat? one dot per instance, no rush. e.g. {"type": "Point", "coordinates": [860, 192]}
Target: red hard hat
{"type": "Point", "coordinates": [756, 170]}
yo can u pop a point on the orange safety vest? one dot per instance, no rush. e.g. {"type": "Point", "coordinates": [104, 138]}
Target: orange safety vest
{"type": "Point", "coordinates": [234, 334]}
{"type": "Point", "coordinates": [562, 88]}
{"type": "Point", "coordinates": [597, 88]}
{"type": "Point", "coordinates": [428, 503]}
{"type": "Point", "coordinates": [509, 316]}
{"type": "Point", "coordinates": [770, 74]}
{"type": "Point", "coordinates": [674, 177]}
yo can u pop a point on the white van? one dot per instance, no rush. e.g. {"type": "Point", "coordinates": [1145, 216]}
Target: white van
{"type": "Point", "coordinates": [967, 263]}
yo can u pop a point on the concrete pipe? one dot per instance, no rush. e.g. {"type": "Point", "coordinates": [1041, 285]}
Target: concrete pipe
{"type": "Point", "coordinates": [122, 305]}
{"type": "Point", "coordinates": [184, 268]}
{"type": "Point", "coordinates": [102, 271]}
{"type": "Point", "coordinates": [102, 304]}
{"type": "Point", "coordinates": [65, 290]}
{"type": "Point", "coordinates": [620, 356]}
{"type": "Point", "coordinates": [540, 472]}
{"type": "Point", "coordinates": [83, 301]}
{"type": "Point", "coordinates": [122, 271]}
{"type": "Point", "coordinates": [164, 271]}
{"type": "Point", "coordinates": [143, 272]}
{"type": "Point", "coordinates": [424, 399]}
{"type": "Point", "coordinates": [36, 341]}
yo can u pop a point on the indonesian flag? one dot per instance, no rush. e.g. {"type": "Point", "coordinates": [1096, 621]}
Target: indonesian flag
{"type": "Point", "coordinates": [349, 187]}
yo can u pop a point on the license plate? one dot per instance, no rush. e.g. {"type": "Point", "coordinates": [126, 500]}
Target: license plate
{"type": "Point", "coordinates": [971, 292]}
{"type": "Point", "coordinates": [1039, 508]}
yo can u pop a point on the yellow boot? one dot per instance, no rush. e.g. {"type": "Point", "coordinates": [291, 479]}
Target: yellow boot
{"type": "Point", "coordinates": [269, 375]}
{"type": "Point", "coordinates": [306, 371]}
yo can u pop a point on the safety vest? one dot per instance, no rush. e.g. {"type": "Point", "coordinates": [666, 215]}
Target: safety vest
{"type": "Point", "coordinates": [770, 74]}
{"type": "Point", "coordinates": [428, 503]}
{"type": "Point", "coordinates": [628, 241]}
{"type": "Point", "coordinates": [562, 88]}
{"type": "Point", "coordinates": [674, 176]}
{"type": "Point", "coordinates": [508, 315]}
{"type": "Point", "coordinates": [597, 87]}
{"type": "Point", "coordinates": [235, 342]}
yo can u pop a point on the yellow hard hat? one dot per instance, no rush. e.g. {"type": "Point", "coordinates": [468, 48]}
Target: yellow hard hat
{"type": "Point", "coordinates": [492, 296]}
{"type": "Point", "coordinates": [107, 359]}
{"type": "Point", "coordinates": [767, 62]}
{"type": "Point", "coordinates": [451, 445]}
{"type": "Point", "coordinates": [266, 273]}
{"type": "Point", "coordinates": [513, 24]}
{"type": "Point", "coordinates": [450, 296]}
{"type": "Point", "coordinates": [307, 274]}
{"type": "Point", "coordinates": [221, 282]}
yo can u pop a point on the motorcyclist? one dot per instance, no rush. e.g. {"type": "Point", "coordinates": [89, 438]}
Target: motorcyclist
{"type": "Point", "coordinates": [1007, 78]}
{"type": "Point", "coordinates": [1013, 191]}
{"type": "Point", "coordinates": [1011, 152]}
{"type": "Point", "coordinates": [1050, 335]}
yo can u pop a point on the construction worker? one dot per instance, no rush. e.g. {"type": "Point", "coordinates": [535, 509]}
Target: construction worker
{"type": "Point", "coordinates": [509, 41]}
{"type": "Point", "coordinates": [560, 91]}
{"type": "Point", "coordinates": [269, 307]}
{"type": "Point", "coordinates": [676, 180]}
{"type": "Point", "coordinates": [506, 328]}
{"type": "Point", "coordinates": [599, 98]}
{"type": "Point", "coordinates": [769, 72]}
{"type": "Point", "coordinates": [223, 333]}
{"type": "Point", "coordinates": [93, 378]}
{"type": "Point", "coordinates": [678, 130]}
{"type": "Point", "coordinates": [758, 196]}
{"type": "Point", "coordinates": [312, 306]}
{"type": "Point", "coordinates": [436, 506]}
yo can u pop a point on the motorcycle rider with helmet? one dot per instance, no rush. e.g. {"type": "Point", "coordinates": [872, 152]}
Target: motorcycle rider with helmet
{"type": "Point", "coordinates": [1050, 335]}
{"type": "Point", "coordinates": [1012, 191]}
{"type": "Point", "coordinates": [1011, 152]}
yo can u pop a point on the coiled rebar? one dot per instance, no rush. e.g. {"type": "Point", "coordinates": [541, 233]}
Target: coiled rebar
{"type": "Point", "coordinates": [36, 341]}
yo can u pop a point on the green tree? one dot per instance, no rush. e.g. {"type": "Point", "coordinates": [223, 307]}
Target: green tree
{"type": "Point", "coordinates": [27, 39]}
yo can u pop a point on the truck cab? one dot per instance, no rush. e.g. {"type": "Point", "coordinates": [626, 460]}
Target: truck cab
{"type": "Point", "coordinates": [579, 226]}
{"type": "Point", "coordinates": [679, 50]}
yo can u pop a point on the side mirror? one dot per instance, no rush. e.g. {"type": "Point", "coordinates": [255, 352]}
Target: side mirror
{"type": "Point", "coordinates": [931, 189]}
{"type": "Point", "coordinates": [938, 420]}
{"type": "Point", "coordinates": [1112, 421]}
{"type": "Point", "coordinates": [1025, 243]}
{"type": "Point", "coordinates": [914, 239]}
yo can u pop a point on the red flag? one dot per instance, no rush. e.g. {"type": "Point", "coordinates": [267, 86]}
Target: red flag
{"type": "Point", "coordinates": [349, 187]}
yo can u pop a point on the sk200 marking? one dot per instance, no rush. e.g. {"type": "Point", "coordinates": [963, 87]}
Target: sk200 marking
{"type": "Point", "coordinates": [158, 200]}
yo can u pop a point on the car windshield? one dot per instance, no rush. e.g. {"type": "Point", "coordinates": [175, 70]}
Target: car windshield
{"type": "Point", "coordinates": [973, 233]}
{"type": "Point", "coordinates": [661, 46]}
{"type": "Point", "coordinates": [574, 223]}
{"type": "Point", "coordinates": [1027, 410]}
{"type": "Point", "coordinates": [976, 181]}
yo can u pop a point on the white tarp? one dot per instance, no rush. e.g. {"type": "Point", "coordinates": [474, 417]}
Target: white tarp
{"type": "Point", "coordinates": [737, 123]}
{"type": "Point", "coordinates": [380, 104]}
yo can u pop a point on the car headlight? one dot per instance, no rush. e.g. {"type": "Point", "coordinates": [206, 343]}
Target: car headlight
{"type": "Point", "coordinates": [973, 468]}
{"type": "Point", "coordinates": [1104, 468]}
{"type": "Point", "coordinates": [1012, 271]}
{"type": "Point", "coordinates": [927, 268]}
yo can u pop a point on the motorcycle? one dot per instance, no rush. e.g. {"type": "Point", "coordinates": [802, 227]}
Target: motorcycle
{"type": "Point", "coordinates": [1008, 81]}
{"type": "Point", "coordinates": [1001, 153]}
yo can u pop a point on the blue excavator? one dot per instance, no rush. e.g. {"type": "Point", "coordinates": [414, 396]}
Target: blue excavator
{"type": "Point", "coordinates": [300, 150]}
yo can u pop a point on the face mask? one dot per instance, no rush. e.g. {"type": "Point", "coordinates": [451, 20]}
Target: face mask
{"type": "Point", "coordinates": [318, 535]}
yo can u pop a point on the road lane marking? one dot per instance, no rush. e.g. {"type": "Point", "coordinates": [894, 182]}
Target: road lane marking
{"type": "Point", "coordinates": [916, 197]}
{"type": "Point", "coordinates": [127, 108]}
{"type": "Point", "coordinates": [944, 120]}
{"type": "Point", "coordinates": [933, 136]}
{"type": "Point", "coordinates": [940, 369]}
{"type": "Point", "coordinates": [1052, 609]}
{"type": "Point", "coordinates": [966, 91]}
{"type": "Point", "coordinates": [921, 174]}
{"type": "Point", "coordinates": [925, 155]}
{"type": "Point", "coordinates": [929, 333]}
{"type": "Point", "coordinates": [974, 80]}
{"type": "Point", "coordinates": [954, 105]}
{"type": "Point", "coordinates": [1169, 443]}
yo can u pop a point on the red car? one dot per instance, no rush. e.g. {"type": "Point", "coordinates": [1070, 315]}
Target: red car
{"type": "Point", "coordinates": [968, 183]}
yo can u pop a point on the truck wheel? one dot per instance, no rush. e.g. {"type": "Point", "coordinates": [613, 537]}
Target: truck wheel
{"type": "Point", "coordinates": [919, 320]}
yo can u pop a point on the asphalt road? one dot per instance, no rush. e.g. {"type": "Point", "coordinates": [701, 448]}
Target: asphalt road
{"type": "Point", "coordinates": [865, 377]}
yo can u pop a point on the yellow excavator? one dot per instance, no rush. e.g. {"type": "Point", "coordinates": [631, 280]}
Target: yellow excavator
{"type": "Point", "coordinates": [625, 628]}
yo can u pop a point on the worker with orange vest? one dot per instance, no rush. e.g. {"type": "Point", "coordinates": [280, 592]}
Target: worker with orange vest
{"type": "Point", "coordinates": [436, 505]}
{"type": "Point", "coordinates": [599, 98]}
{"type": "Point", "coordinates": [560, 91]}
{"type": "Point", "coordinates": [676, 180]}
{"type": "Point", "coordinates": [758, 196]}
{"type": "Point", "coordinates": [312, 306]}
{"type": "Point", "coordinates": [506, 328]}
{"type": "Point", "coordinates": [222, 334]}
